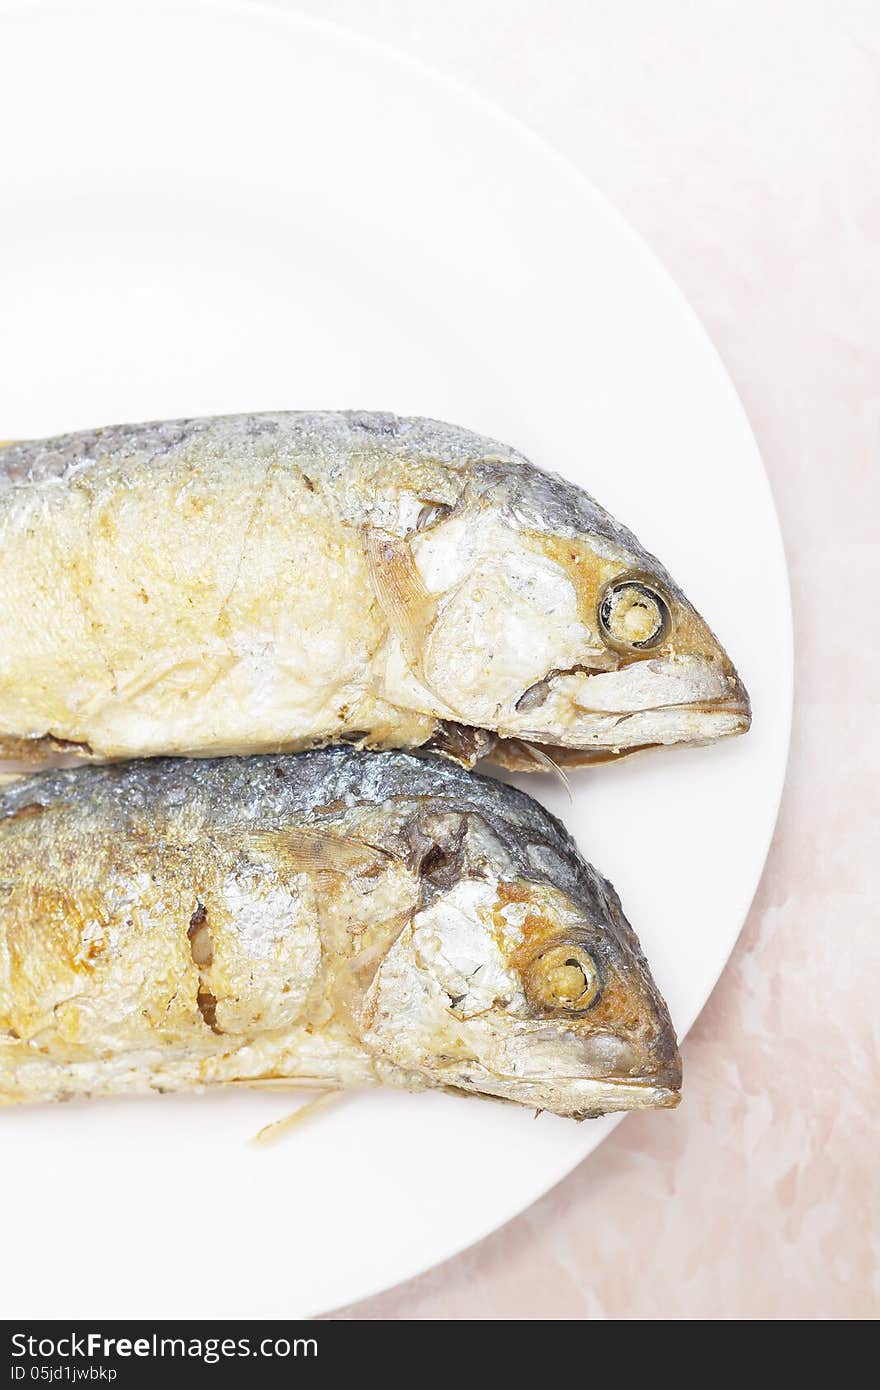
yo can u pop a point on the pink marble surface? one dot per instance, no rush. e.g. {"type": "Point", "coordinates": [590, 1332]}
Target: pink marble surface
{"type": "Point", "coordinates": [740, 139]}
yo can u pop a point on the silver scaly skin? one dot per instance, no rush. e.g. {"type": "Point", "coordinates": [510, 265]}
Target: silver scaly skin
{"type": "Point", "coordinates": [275, 582]}
{"type": "Point", "coordinates": [330, 919]}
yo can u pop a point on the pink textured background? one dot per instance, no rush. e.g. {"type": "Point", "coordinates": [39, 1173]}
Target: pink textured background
{"type": "Point", "coordinates": [740, 139]}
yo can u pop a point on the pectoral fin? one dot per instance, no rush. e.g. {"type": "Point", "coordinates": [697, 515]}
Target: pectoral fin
{"type": "Point", "coordinates": [317, 850]}
{"type": "Point", "coordinates": [408, 607]}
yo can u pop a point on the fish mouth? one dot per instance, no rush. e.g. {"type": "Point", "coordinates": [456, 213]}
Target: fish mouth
{"type": "Point", "coordinates": [595, 1074]}
{"type": "Point", "coordinates": [580, 1097]}
{"type": "Point", "coordinates": [657, 1088]}
{"type": "Point", "coordinates": [733, 708]}
{"type": "Point", "coordinates": [682, 721]}
{"type": "Point", "coordinates": [609, 714]}
{"type": "Point", "coordinates": [618, 734]}
{"type": "Point", "coordinates": [630, 1095]}
{"type": "Point", "coordinates": [586, 1098]}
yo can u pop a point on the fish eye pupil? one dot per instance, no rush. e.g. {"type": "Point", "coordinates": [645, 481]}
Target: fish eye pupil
{"type": "Point", "coordinates": [633, 615]}
{"type": "Point", "coordinates": [563, 978]}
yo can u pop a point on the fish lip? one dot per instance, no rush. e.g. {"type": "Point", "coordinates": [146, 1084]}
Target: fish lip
{"type": "Point", "coordinates": [635, 1093]}
{"type": "Point", "coordinates": [720, 710]}
{"type": "Point", "coordinates": [737, 703]}
{"type": "Point", "coordinates": [665, 1095]}
{"type": "Point", "coordinates": [733, 706]}
{"type": "Point", "coordinates": [740, 708]}
{"type": "Point", "coordinates": [656, 1087]}
{"type": "Point", "coordinates": [737, 711]}
{"type": "Point", "coordinates": [740, 702]}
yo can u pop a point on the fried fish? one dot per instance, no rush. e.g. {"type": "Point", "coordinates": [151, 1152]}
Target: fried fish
{"type": "Point", "coordinates": [332, 919]}
{"type": "Point", "coordinates": [278, 582]}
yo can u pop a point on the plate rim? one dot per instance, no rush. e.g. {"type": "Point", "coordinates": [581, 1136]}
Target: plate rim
{"type": "Point", "coordinates": [463, 93]}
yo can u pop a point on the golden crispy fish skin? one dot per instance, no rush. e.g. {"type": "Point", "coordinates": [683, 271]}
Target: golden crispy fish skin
{"type": "Point", "coordinates": [334, 919]}
{"type": "Point", "coordinates": [275, 582]}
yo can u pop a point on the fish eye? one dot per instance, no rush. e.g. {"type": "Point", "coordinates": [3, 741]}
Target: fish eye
{"type": "Point", "coordinates": [631, 614]}
{"type": "Point", "coordinates": [563, 977]}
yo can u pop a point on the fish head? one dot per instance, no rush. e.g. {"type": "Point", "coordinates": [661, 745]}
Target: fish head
{"type": "Point", "coordinates": [554, 626]}
{"type": "Point", "coordinates": [651, 672]}
{"type": "Point", "coordinates": [519, 977]}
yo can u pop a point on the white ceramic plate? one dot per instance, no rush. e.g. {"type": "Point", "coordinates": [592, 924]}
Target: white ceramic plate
{"type": "Point", "coordinates": [211, 210]}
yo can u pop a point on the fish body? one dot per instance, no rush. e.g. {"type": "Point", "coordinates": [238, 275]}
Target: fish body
{"type": "Point", "coordinates": [332, 919]}
{"type": "Point", "coordinates": [277, 582]}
